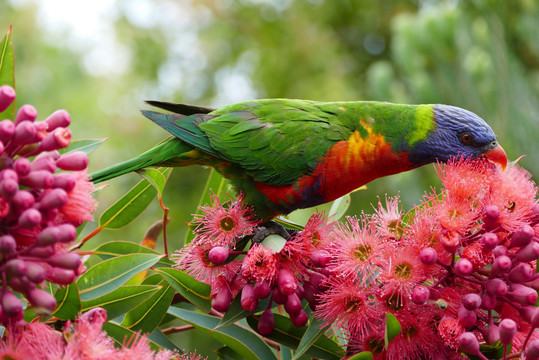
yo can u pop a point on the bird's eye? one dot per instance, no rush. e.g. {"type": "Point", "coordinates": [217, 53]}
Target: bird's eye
{"type": "Point", "coordinates": [466, 138]}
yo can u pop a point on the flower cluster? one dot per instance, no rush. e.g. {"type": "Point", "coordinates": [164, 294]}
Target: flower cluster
{"type": "Point", "coordinates": [456, 271]}
{"type": "Point", "coordinates": [282, 273]}
{"type": "Point", "coordinates": [43, 197]}
{"type": "Point", "coordinates": [84, 339]}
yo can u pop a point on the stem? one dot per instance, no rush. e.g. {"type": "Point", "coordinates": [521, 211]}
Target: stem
{"type": "Point", "coordinates": [532, 330]}
{"type": "Point", "coordinates": [176, 329]}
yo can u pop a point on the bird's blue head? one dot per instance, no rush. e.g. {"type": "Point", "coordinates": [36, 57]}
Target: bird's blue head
{"type": "Point", "coordinates": [457, 132]}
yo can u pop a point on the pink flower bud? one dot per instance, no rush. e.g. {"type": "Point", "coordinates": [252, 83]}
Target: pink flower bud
{"type": "Point", "coordinates": [311, 296]}
{"type": "Point", "coordinates": [532, 351]}
{"type": "Point", "coordinates": [262, 290]}
{"type": "Point", "coordinates": [44, 163]}
{"type": "Point", "coordinates": [26, 113]}
{"type": "Point", "coordinates": [278, 297]}
{"type": "Point", "coordinates": [292, 304]}
{"type": "Point", "coordinates": [60, 276]}
{"type": "Point", "coordinates": [75, 161]}
{"type": "Point", "coordinates": [534, 316]}
{"type": "Point", "coordinates": [471, 301]}
{"type": "Point", "coordinates": [489, 240]}
{"type": "Point", "coordinates": [57, 139]}
{"type": "Point", "coordinates": [30, 218]}
{"type": "Point", "coordinates": [9, 174]}
{"type": "Point", "coordinates": [527, 313]}
{"type": "Point", "coordinates": [428, 256]}
{"type": "Point", "coordinates": [286, 282]}
{"type": "Point", "coordinates": [4, 208]}
{"type": "Point", "coordinates": [420, 294]}
{"type": "Point", "coordinates": [493, 334]}
{"type": "Point", "coordinates": [218, 255]}
{"type": "Point", "coordinates": [468, 343]}
{"type": "Point", "coordinates": [42, 299]}
{"type": "Point", "coordinates": [317, 280]}
{"type": "Point", "coordinates": [299, 319]}
{"type": "Point", "coordinates": [221, 301]}
{"type": "Point", "coordinates": [49, 236]}
{"type": "Point", "coordinates": [54, 155]}
{"type": "Point", "coordinates": [528, 253]}
{"type": "Point", "coordinates": [96, 316]}
{"type": "Point", "coordinates": [520, 273]}
{"type": "Point", "coordinates": [522, 294]}
{"type": "Point", "coordinates": [22, 166]}
{"type": "Point", "coordinates": [463, 267]}
{"type": "Point", "coordinates": [248, 300]}
{"type": "Point", "coordinates": [320, 258]}
{"type": "Point", "coordinates": [266, 324]}
{"type": "Point", "coordinates": [23, 199]}
{"type": "Point", "coordinates": [25, 133]}
{"type": "Point", "coordinates": [7, 129]}
{"type": "Point", "coordinates": [450, 240]}
{"type": "Point", "coordinates": [8, 188]}
{"type": "Point", "coordinates": [501, 264]}
{"type": "Point", "coordinates": [35, 272]}
{"type": "Point", "coordinates": [39, 179]}
{"type": "Point", "coordinates": [467, 318]}
{"type": "Point", "coordinates": [496, 287]}
{"type": "Point", "coordinates": [53, 199]}
{"type": "Point", "coordinates": [488, 301]}
{"type": "Point", "coordinates": [490, 216]}
{"type": "Point", "coordinates": [42, 252]}
{"type": "Point", "coordinates": [508, 329]}
{"type": "Point", "coordinates": [59, 118]}
{"type": "Point", "coordinates": [7, 244]}
{"type": "Point", "coordinates": [522, 236]}
{"type": "Point", "coordinates": [68, 233]}
{"type": "Point", "coordinates": [533, 283]}
{"type": "Point", "coordinates": [11, 305]}
{"type": "Point", "coordinates": [41, 130]}
{"type": "Point", "coordinates": [7, 95]}
{"type": "Point", "coordinates": [64, 181]}
{"type": "Point", "coordinates": [69, 260]}
{"type": "Point", "coordinates": [499, 251]}
{"type": "Point", "coordinates": [16, 267]}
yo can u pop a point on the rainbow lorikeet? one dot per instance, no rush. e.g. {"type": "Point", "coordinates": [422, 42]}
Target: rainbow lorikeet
{"type": "Point", "coordinates": [289, 154]}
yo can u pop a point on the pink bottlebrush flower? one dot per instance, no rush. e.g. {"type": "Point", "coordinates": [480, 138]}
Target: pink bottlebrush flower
{"type": "Point", "coordinates": [194, 259]}
{"type": "Point", "coordinates": [138, 348]}
{"type": "Point", "coordinates": [222, 223]}
{"type": "Point", "coordinates": [293, 256]}
{"type": "Point", "coordinates": [464, 178]}
{"type": "Point", "coordinates": [316, 233]}
{"type": "Point", "coordinates": [477, 255]}
{"type": "Point", "coordinates": [402, 273]}
{"type": "Point", "coordinates": [347, 305]}
{"type": "Point", "coordinates": [357, 248]}
{"type": "Point", "coordinates": [32, 341]}
{"type": "Point", "coordinates": [455, 213]}
{"type": "Point", "coordinates": [514, 193]}
{"type": "Point", "coordinates": [417, 339]}
{"type": "Point", "coordinates": [260, 264]}
{"type": "Point", "coordinates": [423, 232]}
{"type": "Point", "coordinates": [373, 342]}
{"type": "Point", "coordinates": [81, 204]}
{"type": "Point", "coordinates": [449, 329]}
{"type": "Point", "coordinates": [388, 219]}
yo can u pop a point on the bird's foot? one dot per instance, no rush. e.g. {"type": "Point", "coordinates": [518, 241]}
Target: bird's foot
{"type": "Point", "coordinates": [268, 228]}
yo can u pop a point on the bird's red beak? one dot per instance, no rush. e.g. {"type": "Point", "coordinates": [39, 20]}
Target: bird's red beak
{"type": "Point", "coordinates": [497, 155]}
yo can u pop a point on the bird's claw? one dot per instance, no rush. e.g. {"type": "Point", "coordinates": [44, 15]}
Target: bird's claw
{"type": "Point", "coordinates": [269, 228]}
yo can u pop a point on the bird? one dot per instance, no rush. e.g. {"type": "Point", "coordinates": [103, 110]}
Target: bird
{"type": "Point", "coordinates": [287, 154]}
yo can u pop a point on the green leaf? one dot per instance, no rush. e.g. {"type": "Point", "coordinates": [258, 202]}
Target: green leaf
{"type": "Point", "coordinates": [7, 70]}
{"type": "Point", "coordinates": [110, 274]}
{"type": "Point", "coordinates": [68, 303]}
{"type": "Point", "coordinates": [226, 353]}
{"type": "Point", "coordinates": [86, 146]}
{"type": "Point", "coordinates": [156, 177]}
{"type": "Point", "coordinates": [215, 183]}
{"type": "Point", "coordinates": [247, 344]}
{"type": "Point", "coordinates": [147, 316]}
{"type": "Point", "coordinates": [196, 292]}
{"type": "Point", "coordinates": [287, 334]}
{"type": "Point", "coordinates": [122, 299]}
{"type": "Point", "coordinates": [392, 329]}
{"type": "Point", "coordinates": [115, 248]}
{"type": "Point", "coordinates": [339, 207]}
{"type": "Point", "coordinates": [364, 355]}
{"type": "Point", "coordinates": [120, 334]}
{"type": "Point", "coordinates": [162, 340]}
{"type": "Point", "coordinates": [131, 205]}
{"type": "Point", "coordinates": [274, 242]}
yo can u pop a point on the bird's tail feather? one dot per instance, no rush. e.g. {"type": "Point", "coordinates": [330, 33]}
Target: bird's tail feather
{"type": "Point", "coordinates": [167, 153]}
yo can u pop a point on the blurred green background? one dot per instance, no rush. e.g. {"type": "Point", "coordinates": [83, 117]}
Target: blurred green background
{"type": "Point", "coordinates": [100, 60]}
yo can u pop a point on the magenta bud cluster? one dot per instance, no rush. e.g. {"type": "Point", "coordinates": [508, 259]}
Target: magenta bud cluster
{"type": "Point", "coordinates": [34, 233]}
